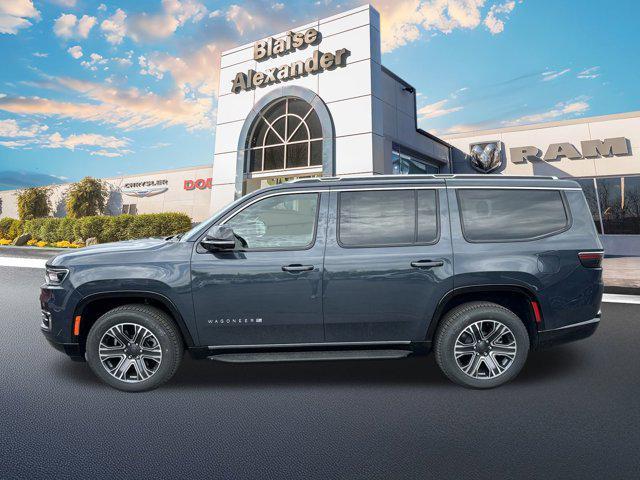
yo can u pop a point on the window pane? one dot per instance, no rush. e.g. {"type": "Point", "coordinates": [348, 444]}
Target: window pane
{"type": "Point", "coordinates": [503, 215]}
{"type": "Point", "coordinates": [316, 152]}
{"type": "Point", "coordinates": [298, 107]}
{"type": "Point", "coordinates": [283, 221]}
{"type": "Point", "coordinates": [427, 216]}
{"type": "Point", "coordinates": [292, 124]}
{"type": "Point", "coordinates": [255, 160]}
{"type": "Point", "coordinates": [377, 218]}
{"type": "Point", "coordinates": [274, 158]}
{"type": "Point", "coordinates": [279, 126]}
{"type": "Point", "coordinates": [259, 133]}
{"type": "Point", "coordinates": [272, 138]}
{"type": "Point", "coordinates": [589, 190]}
{"type": "Point", "coordinates": [297, 155]}
{"type": "Point", "coordinates": [275, 111]}
{"type": "Point", "coordinates": [300, 134]}
{"type": "Point", "coordinates": [406, 164]}
{"type": "Point", "coordinates": [313, 122]}
{"type": "Point", "coordinates": [620, 205]}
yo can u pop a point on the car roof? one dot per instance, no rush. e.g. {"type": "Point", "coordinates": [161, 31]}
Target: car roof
{"type": "Point", "coordinates": [451, 180]}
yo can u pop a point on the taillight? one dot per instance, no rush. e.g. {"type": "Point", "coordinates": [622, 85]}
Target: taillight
{"type": "Point", "coordinates": [591, 259]}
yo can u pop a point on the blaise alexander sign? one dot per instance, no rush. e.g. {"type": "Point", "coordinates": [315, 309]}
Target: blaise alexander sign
{"type": "Point", "coordinates": [270, 48]}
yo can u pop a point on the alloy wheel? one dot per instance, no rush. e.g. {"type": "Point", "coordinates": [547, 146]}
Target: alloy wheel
{"type": "Point", "coordinates": [485, 349]}
{"type": "Point", "coordinates": [130, 352]}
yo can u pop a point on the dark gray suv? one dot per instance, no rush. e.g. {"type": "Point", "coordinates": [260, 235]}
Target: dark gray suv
{"type": "Point", "coordinates": [481, 269]}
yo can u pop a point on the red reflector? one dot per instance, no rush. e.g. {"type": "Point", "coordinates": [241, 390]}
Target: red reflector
{"type": "Point", "coordinates": [76, 326]}
{"type": "Point", "coordinates": [536, 311]}
{"type": "Point", "coordinates": [591, 259]}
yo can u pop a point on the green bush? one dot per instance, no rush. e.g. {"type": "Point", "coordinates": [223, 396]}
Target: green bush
{"type": "Point", "coordinates": [5, 225]}
{"type": "Point", "coordinates": [117, 227]}
{"type": "Point", "coordinates": [88, 227]}
{"type": "Point", "coordinates": [16, 229]}
{"type": "Point", "coordinates": [104, 228]}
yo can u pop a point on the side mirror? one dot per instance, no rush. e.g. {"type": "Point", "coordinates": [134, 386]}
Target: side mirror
{"type": "Point", "coordinates": [219, 237]}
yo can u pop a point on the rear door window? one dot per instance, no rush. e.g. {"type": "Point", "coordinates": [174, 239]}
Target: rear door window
{"type": "Point", "coordinates": [387, 218]}
{"type": "Point", "coordinates": [502, 215]}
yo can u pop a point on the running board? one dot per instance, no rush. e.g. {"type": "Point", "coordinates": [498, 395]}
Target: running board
{"type": "Point", "coordinates": [309, 356]}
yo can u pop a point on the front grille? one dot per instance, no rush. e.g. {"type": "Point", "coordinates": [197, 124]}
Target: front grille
{"type": "Point", "coordinates": [46, 321]}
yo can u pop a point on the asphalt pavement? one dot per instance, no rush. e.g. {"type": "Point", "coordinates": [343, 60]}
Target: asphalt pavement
{"type": "Point", "coordinates": [572, 413]}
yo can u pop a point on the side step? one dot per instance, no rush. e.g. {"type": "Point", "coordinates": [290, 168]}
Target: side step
{"type": "Point", "coordinates": [309, 356]}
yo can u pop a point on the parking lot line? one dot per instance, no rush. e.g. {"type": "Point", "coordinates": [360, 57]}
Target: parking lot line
{"type": "Point", "coordinates": [22, 262]}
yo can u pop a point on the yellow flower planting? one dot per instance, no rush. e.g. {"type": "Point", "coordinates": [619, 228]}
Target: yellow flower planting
{"type": "Point", "coordinates": [4, 241]}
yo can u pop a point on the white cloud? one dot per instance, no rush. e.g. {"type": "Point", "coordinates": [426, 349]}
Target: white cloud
{"type": "Point", "coordinates": [114, 28]}
{"type": "Point", "coordinates": [215, 14]}
{"type": "Point", "coordinates": [589, 73]}
{"type": "Point", "coordinates": [75, 51]}
{"type": "Point", "coordinates": [95, 60]}
{"type": "Point", "coordinates": [126, 108]}
{"type": "Point", "coordinates": [56, 140]}
{"type": "Point", "coordinates": [277, 6]}
{"type": "Point", "coordinates": [64, 3]}
{"type": "Point", "coordinates": [242, 19]}
{"type": "Point", "coordinates": [174, 14]}
{"type": "Point", "coordinates": [494, 21]}
{"type": "Point", "coordinates": [15, 15]}
{"type": "Point", "coordinates": [404, 21]}
{"type": "Point", "coordinates": [67, 25]}
{"type": "Point", "coordinates": [437, 109]}
{"type": "Point", "coordinates": [11, 129]}
{"type": "Point", "coordinates": [109, 153]}
{"type": "Point", "coordinates": [552, 75]}
{"type": "Point", "coordinates": [570, 108]}
{"type": "Point", "coordinates": [40, 54]}
{"type": "Point", "coordinates": [102, 7]}
{"type": "Point", "coordinates": [194, 72]}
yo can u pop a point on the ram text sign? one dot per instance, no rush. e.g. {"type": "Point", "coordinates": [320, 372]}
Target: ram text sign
{"type": "Point", "coordinates": [270, 48]}
{"type": "Point", "coordinates": [590, 149]}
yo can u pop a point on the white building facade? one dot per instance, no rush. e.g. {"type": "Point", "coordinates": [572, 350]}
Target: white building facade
{"type": "Point", "coordinates": [312, 101]}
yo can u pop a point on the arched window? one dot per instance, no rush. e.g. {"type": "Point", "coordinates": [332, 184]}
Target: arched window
{"type": "Point", "coordinates": [287, 134]}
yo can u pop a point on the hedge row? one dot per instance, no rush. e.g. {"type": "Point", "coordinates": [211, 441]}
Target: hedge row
{"type": "Point", "coordinates": [104, 228]}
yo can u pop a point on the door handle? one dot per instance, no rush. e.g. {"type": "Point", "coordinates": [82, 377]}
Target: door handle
{"type": "Point", "coordinates": [297, 268]}
{"type": "Point", "coordinates": [427, 263]}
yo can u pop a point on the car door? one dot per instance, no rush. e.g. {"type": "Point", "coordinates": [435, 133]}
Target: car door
{"type": "Point", "coordinates": [388, 262]}
{"type": "Point", "coordinates": [269, 292]}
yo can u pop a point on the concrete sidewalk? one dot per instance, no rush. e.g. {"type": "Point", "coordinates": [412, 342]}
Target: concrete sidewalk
{"type": "Point", "coordinates": [622, 275]}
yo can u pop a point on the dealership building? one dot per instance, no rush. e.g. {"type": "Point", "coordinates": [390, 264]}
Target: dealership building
{"type": "Point", "coordinates": [317, 101]}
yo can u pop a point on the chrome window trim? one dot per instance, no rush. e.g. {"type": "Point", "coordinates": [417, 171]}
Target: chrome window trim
{"type": "Point", "coordinates": [579, 324]}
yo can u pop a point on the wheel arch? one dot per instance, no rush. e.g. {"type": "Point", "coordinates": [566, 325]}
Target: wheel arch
{"type": "Point", "coordinates": [93, 306]}
{"type": "Point", "coordinates": [514, 297]}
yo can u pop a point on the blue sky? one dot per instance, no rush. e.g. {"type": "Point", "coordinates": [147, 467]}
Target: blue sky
{"type": "Point", "coordinates": [118, 87]}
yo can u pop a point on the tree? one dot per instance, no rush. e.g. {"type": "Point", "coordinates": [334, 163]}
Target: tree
{"type": "Point", "coordinates": [86, 198]}
{"type": "Point", "coordinates": [33, 203]}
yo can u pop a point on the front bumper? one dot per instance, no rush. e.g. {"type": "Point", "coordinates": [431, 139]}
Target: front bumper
{"type": "Point", "coordinates": [568, 333]}
{"type": "Point", "coordinates": [73, 350]}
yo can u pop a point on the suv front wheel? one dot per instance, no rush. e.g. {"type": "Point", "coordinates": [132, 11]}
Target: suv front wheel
{"type": "Point", "coordinates": [134, 348]}
{"type": "Point", "coordinates": [481, 345]}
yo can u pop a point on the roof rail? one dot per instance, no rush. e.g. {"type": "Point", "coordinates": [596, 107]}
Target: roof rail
{"type": "Point", "coordinates": [417, 177]}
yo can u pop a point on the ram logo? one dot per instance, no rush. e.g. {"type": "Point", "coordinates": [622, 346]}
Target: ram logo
{"type": "Point", "coordinates": [486, 157]}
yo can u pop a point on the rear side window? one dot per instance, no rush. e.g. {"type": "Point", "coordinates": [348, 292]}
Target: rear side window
{"type": "Point", "coordinates": [387, 217]}
{"type": "Point", "coordinates": [511, 215]}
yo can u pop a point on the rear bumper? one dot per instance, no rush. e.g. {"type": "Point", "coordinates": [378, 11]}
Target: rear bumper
{"type": "Point", "coordinates": [568, 333]}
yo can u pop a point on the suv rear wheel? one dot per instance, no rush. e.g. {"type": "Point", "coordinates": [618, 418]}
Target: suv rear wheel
{"type": "Point", "coordinates": [481, 345]}
{"type": "Point", "coordinates": [134, 348]}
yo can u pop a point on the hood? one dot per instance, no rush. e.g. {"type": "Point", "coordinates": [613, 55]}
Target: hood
{"type": "Point", "coordinates": [125, 247]}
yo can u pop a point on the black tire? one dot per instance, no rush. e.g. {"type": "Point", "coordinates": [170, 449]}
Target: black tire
{"type": "Point", "coordinates": [155, 321]}
{"type": "Point", "coordinates": [451, 329]}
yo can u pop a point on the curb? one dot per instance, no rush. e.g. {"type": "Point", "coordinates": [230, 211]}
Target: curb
{"type": "Point", "coordinates": [38, 249]}
{"type": "Point", "coordinates": [622, 290]}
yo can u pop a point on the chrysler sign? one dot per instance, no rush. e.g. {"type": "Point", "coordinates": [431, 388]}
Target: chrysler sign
{"type": "Point", "coordinates": [269, 48]}
{"type": "Point", "coordinates": [590, 149]}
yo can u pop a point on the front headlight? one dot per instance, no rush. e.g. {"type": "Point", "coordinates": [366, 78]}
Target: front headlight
{"type": "Point", "coordinates": [55, 275]}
